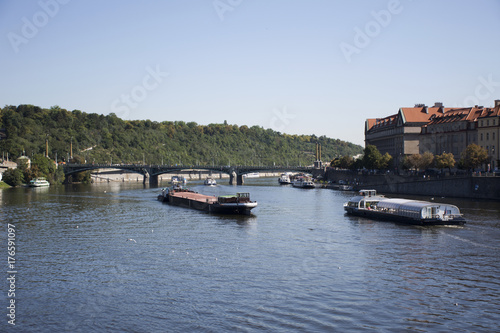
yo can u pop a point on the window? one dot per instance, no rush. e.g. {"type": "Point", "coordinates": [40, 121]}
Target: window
{"type": "Point", "coordinates": [487, 136]}
{"type": "Point", "coordinates": [481, 136]}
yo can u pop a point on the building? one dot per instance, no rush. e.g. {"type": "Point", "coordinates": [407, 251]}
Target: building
{"type": "Point", "coordinates": [24, 160]}
{"type": "Point", "coordinates": [488, 132]}
{"type": "Point", "coordinates": [451, 131]}
{"type": "Point", "coordinates": [437, 130]}
{"type": "Point", "coordinates": [399, 134]}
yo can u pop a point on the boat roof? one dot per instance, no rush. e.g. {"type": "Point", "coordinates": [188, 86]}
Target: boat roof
{"type": "Point", "coordinates": [408, 204]}
{"type": "Point", "coordinates": [372, 198]}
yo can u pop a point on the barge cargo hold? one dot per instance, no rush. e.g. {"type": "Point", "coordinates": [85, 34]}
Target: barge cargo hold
{"type": "Point", "coordinates": [369, 204]}
{"type": "Point", "coordinates": [227, 204]}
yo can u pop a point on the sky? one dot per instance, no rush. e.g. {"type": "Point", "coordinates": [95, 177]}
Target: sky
{"type": "Point", "coordinates": [296, 66]}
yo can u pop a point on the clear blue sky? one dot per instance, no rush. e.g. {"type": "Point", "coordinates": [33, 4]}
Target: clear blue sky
{"type": "Point", "coordinates": [297, 66]}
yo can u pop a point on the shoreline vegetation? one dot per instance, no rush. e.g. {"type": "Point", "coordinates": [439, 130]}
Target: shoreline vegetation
{"type": "Point", "coordinates": [107, 139]}
{"type": "Point", "coordinates": [54, 136]}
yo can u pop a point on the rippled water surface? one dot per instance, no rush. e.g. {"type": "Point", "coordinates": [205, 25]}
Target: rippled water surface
{"type": "Point", "coordinates": [110, 258]}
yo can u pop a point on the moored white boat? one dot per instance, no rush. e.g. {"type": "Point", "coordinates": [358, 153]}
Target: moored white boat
{"type": "Point", "coordinates": [39, 182]}
{"type": "Point", "coordinates": [252, 175]}
{"type": "Point", "coordinates": [369, 204]}
{"type": "Point", "coordinates": [303, 182]}
{"type": "Point", "coordinates": [284, 179]}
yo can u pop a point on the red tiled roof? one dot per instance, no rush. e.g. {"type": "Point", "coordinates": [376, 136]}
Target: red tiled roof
{"type": "Point", "coordinates": [490, 112]}
{"type": "Point", "coordinates": [457, 114]}
{"type": "Point", "coordinates": [419, 114]}
{"type": "Point", "coordinates": [370, 123]}
{"type": "Point", "coordinates": [382, 122]}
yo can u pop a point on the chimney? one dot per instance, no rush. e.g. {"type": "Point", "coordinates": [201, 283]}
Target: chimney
{"type": "Point", "coordinates": [497, 102]}
{"type": "Point", "coordinates": [438, 105]}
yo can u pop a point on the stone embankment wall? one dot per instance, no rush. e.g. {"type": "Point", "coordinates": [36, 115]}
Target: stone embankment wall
{"type": "Point", "coordinates": [116, 175]}
{"type": "Point", "coordinates": [468, 186]}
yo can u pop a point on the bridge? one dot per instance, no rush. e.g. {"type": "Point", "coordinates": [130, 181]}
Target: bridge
{"type": "Point", "coordinates": [151, 172]}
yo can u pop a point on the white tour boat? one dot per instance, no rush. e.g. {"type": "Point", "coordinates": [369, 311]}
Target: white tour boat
{"type": "Point", "coordinates": [39, 182]}
{"type": "Point", "coordinates": [369, 204]}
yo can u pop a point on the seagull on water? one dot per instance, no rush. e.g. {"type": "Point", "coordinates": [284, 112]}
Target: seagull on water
{"type": "Point", "coordinates": [132, 240]}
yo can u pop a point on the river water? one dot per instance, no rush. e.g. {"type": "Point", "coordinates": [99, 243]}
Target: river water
{"type": "Point", "coordinates": [298, 264]}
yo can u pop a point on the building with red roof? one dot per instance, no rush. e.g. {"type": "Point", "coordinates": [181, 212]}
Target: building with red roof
{"type": "Point", "coordinates": [437, 130]}
{"type": "Point", "coordinates": [488, 132]}
{"type": "Point", "coordinates": [399, 134]}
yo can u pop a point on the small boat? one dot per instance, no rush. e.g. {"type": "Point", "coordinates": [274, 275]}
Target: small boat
{"type": "Point", "coordinates": [226, 204]}
{"type": "Point", "coordinates": [284, 179]}
{"type": "Point", "coordinates": [252, 175]}
{"type": "Point", "coordinates": [175, 180]}
{"type": "Point", "coordinates": [210, 182]}
{"type": "Point", "coordinates": [345, 188]}
{"type": "Point", "coordinates": [39, 182]}
{"type": "Point", "coordinates": [303, 182]}
{"type": "Point", "coordinates": [369, 204]}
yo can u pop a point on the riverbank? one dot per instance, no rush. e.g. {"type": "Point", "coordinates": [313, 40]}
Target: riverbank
{"type": "Point", "coordinates": [460, 186]}
{"type": "Point", "coordinates": [4, 185]}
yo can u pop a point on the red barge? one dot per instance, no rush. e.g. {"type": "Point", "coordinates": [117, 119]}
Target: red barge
{"type": "Point", "coordinates": [226, 204]}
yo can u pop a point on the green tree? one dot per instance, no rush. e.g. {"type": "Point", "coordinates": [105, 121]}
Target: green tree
{"type": "Point", "coordinates": [372, 157]}
{"type": "Point", "coordinates": [385, 161]}
{"type": "Point", "coordinates": [13, 177]}
{"type": "Point", "coordinates": [42, 166]}
{"type": "Point", "coordinates": [445, 160]}
{"type": "Point", "coordinates": [473, 156]}
{"type": "Point", "coordinates": [346, 162]}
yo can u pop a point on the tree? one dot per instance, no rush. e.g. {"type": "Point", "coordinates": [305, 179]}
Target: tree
{"type": "Point", "coordinates": [42, 166]}
{"type": "Point", "coordinates": [473, 156]}
{"type": "Point", "coordinates": [13, 177]}
{"type": "Point", "coordinates": [385, 161]}
{"type": "Point", "coordinates": [427, 159]}
{"type": "Point", "coordinates": [372, 157]}
{"type": "Point", "coordinates": [418, 161]}
{"type": "Point", "coordinates": [412, 161]}
{"type": "Point", "coordinates": [445, 160]}
{"type": "Point", "coordinates": [346, 162]}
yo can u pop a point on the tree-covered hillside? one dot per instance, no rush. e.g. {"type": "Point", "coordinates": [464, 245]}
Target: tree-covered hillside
{"type": "Point", "coordinates": [109, 139]}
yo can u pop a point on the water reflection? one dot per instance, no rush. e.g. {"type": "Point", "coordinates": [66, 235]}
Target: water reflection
{"type": "Point", "coordinates": [297, 264]}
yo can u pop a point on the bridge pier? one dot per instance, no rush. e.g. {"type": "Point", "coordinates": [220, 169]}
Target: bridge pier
{"type": "Point", "coordinates": [235, 179]}
{"type": "Point", "coordinates": [153, 180]}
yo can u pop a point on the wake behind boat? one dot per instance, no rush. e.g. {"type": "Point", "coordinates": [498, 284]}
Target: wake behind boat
{"type": "Point", "coordinates": [369, 204]}
{"type": "Point", "coordinates": [226, 204]}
